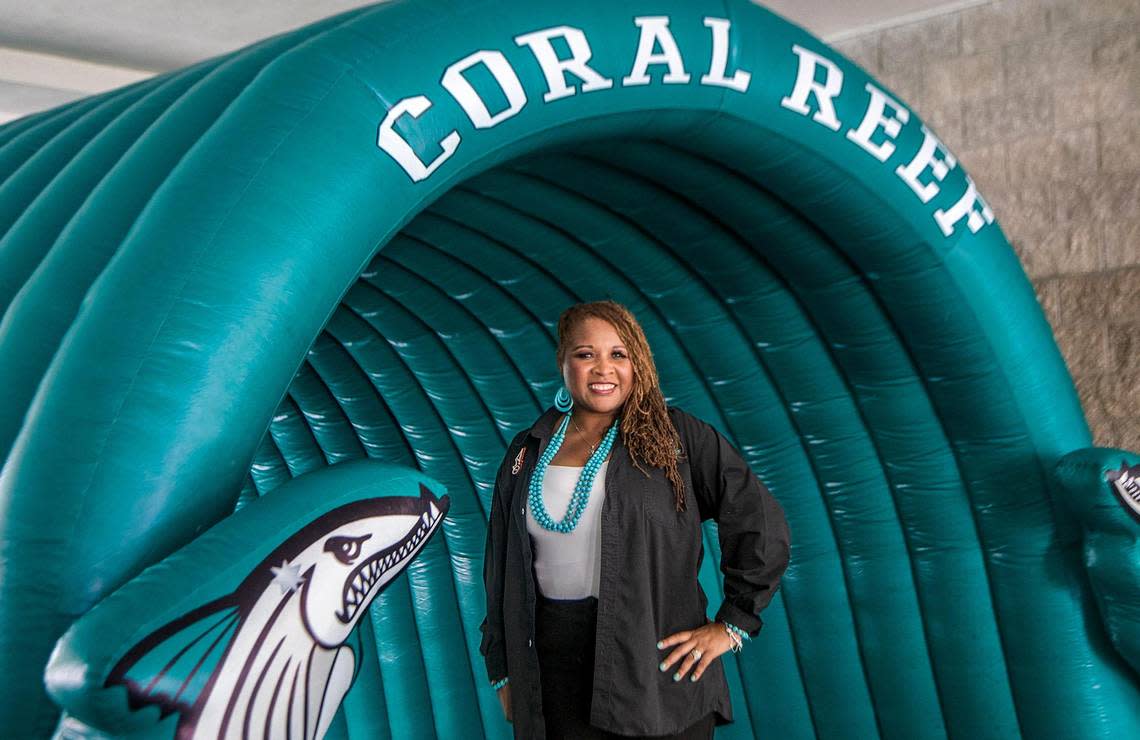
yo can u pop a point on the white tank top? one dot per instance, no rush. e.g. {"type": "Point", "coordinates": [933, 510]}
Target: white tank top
{"type": "Point", "coordinates": [568, 566]}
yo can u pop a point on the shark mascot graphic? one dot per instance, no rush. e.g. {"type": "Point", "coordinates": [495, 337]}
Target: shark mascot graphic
{"type": "Point", "coordinates": [272, 658]}
{"type": "Point", "coordinates": [1126, 483]}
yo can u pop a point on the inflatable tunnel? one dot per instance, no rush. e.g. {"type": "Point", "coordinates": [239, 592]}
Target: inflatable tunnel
{"type": "Point", "coordinates": [351, 244]}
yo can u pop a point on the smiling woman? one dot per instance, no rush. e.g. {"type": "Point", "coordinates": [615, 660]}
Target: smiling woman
{"type": "Point", "coordinates": [611, 590]}
{"type": "Point", "coordinates": [215, 281]}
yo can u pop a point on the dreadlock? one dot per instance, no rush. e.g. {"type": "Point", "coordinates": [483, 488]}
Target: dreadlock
{"type": "Point", "coordinates": [646, 430]}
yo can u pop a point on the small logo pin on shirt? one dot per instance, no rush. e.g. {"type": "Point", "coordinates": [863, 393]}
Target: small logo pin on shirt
{"type": "Point", "coordinates": [518, 461]}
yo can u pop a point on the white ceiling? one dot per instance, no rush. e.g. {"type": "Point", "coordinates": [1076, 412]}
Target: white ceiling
{"type": "Point", "coordinates": [52, 51]}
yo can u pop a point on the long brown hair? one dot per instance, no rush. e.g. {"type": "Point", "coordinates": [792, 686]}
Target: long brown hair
{"type": "Point", "coordinates": [646, 430]}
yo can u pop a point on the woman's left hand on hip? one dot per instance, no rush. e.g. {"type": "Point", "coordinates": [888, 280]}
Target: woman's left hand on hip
{"type": "Point", "coordinates": [698, 647]}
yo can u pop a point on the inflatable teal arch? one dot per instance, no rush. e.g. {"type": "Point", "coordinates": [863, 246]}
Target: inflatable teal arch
{"type": "Point", "coordinates": [354, 240]}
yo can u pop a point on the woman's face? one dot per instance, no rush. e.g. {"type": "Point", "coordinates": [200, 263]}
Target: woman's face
{"type": "Point", "coordinates": [597, 369]}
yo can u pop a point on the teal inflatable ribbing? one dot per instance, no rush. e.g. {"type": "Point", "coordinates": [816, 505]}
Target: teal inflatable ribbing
{"type": "Point", "coordinates": [353, 241]}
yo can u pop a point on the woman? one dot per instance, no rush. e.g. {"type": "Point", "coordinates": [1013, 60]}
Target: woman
{"type": "Point", "coordinates": [596, 625]}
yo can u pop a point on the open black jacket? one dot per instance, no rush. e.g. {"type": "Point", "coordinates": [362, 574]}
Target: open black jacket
{"type": "Point", "coordinates": [650, 556]}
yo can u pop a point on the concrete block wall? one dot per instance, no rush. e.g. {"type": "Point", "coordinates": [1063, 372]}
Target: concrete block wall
{"type": "Point", "coordinates": [1040, 101]}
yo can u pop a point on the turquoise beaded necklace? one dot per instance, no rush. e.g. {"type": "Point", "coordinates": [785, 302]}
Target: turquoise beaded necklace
{"type": "Point", "coordinates": [582, 490]}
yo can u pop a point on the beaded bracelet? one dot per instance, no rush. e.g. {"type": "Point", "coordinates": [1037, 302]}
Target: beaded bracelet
{"type": "Point", "coordinates": [499, 684]}
{"type": "Point", "coordinates": [737, 644]}
{"type": "Point", "coordinates": [737, 635]}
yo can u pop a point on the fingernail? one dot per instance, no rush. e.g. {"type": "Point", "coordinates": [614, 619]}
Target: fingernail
{"type": "Point", "coordinates": [663, 666]}
{"type": "Point", "coordinates": [676, 676]}
{"type": "Point", "coordinates": [693, 677]}
{"type": "Point", "coordinates": [660, 645]}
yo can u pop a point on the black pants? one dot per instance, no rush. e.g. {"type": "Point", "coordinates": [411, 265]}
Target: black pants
{"type": "Point", "coordinates": [565, 636]}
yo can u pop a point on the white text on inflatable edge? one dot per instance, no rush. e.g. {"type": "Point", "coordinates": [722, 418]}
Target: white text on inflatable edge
{"type": "Point", "coordinates": [883, 114]}
{"type": "Point", "coordinates": [654, 32]}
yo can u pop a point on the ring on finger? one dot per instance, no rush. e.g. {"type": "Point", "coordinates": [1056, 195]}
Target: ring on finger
{"type": "Point", "coordinates": [696, 653]}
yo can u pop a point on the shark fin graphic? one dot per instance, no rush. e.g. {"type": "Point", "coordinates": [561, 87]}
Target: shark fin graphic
{"type": "Point", "coordinates": [172, 667]}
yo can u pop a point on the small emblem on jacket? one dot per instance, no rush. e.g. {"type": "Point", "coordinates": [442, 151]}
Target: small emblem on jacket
{"type": "Point", "coordinates": [518, 461]}
{"type": "Point", "coordinates": [1126, 481]}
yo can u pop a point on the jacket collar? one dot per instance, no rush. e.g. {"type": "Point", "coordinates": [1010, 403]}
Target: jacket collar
{"type": "Point", "coordinates": [543, 429]}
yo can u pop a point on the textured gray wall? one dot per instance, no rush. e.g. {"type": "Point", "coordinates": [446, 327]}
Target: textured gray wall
{"type": "Point", "coordinates": [1040, 100]}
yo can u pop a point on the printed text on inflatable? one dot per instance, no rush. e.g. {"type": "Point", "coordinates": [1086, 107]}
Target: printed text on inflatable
{"type": "Point", "coordinates": [882, 120]}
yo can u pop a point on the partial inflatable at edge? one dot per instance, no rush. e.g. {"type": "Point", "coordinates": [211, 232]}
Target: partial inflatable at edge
{"type": "Point", "coordinates": [354, 240]}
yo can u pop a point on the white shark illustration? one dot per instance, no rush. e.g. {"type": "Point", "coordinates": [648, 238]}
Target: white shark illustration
{"type": "Point", "coordinates": [270, 659]}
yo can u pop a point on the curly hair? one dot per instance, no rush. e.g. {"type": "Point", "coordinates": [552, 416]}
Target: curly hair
{"type": "Point", "coordinates": [646, 430]}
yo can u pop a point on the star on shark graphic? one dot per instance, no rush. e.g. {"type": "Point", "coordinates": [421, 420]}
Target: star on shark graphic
{"type": "Point", "coordinates": [288, 577]}
{"type": "Point", "coordinates": [276, 662]}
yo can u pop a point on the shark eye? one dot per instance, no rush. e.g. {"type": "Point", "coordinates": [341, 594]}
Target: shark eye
{"type": "Point", "coordinates": [345, 549]}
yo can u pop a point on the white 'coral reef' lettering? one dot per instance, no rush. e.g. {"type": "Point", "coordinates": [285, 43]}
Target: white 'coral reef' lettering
{"type": "Point", "coordinates": [818, 83]}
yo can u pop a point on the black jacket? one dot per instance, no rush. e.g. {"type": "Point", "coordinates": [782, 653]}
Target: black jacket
{"type": "Point", "coordinates": [650, 557]}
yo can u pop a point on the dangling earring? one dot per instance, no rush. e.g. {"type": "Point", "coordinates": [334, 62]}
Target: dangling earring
{"type": "Point", "coordinates": [562, 400]}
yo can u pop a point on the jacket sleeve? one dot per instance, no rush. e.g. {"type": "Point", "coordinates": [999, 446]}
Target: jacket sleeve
{"type": "Point", "coordinates": [755, 542]}
{"type": "Point", "coordinates": [492, 645]}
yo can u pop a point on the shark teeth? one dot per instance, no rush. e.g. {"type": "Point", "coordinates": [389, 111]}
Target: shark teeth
{"type": "Point", "coordinates": [366, 576]}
